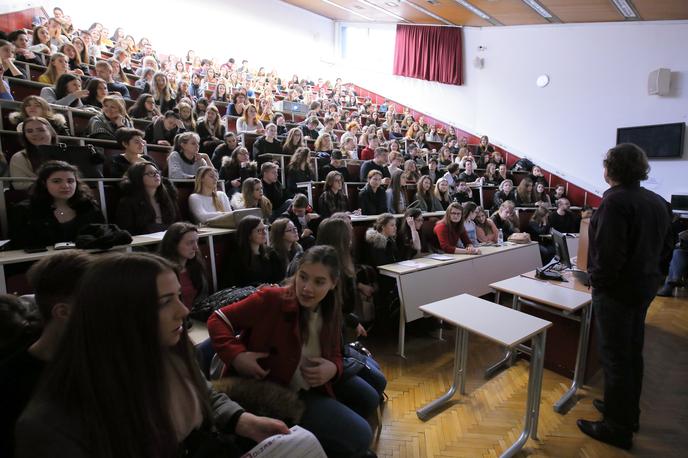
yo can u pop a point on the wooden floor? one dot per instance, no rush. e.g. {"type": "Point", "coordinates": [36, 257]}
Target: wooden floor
{"type": "Point", "coordinates": [489, 418]}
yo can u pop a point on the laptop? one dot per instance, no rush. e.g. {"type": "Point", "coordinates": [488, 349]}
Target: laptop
{"type": "Point", "coordinates": [231, 220]}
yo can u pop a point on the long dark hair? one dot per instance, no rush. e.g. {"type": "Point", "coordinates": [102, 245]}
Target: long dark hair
{"type": "Point", "coordinates": [404, 232]}
{"type": "Point", "coordinates": [165, 195]}
{"type": "Point", "coordinates": [455, 228]}
{"type": "Point", "coordinates": [331, 305]}
{"type": "Point", "coordinates": [41, 198]}
{"type": "Point", "coordinates": [397, 189]}
{"type": "Point", "coordinates": [92, 88]}
{"type": "Point", "coordinates": [138, 109]}
{"type": "Point", "coordinates": [336, 233]}
{"type": "Point", "coordinates": [246, 226]}
{"type": "Point", "coordinates": [109, 369]}
{"type": "Point", "coordinates": [195, 266]}
{"type": "Point", "coordinates": [61, 86]}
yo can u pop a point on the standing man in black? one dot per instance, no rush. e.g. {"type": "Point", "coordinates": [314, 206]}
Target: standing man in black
{"type": "Point", "coordinates": [630, 248]}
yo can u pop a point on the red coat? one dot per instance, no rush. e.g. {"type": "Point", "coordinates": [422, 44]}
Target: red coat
{"type": "Point", "coordinates": [449, 239]}
{"type": "Point", "coordinates": [268, 322]}
{"type": "Point", "coordinates": [367, 154]}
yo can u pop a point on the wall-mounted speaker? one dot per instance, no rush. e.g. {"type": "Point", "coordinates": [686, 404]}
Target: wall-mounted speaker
{"type": "Point", "coordinates": [659, 82]}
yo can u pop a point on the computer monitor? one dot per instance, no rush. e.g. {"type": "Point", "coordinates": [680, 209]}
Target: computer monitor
{"type": "Point", "coordinates": [562, 248]}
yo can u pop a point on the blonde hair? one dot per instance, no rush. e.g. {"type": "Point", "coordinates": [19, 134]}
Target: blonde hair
{"type": "Point", "coordinates": [198, 187]}
{"type": "Point", "coordinates": [50, 72]}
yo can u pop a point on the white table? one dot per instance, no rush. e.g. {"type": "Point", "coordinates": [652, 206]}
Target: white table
{"type": "Point", "coordinates": [563, 301]}
{"type": "Point", "coordinates": [425, 280]}
{"type": "Point", "coordinates": [501, 325]}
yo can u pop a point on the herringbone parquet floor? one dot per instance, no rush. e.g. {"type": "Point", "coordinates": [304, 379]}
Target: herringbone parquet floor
{"type": "Point", "coordinates": [489, 418]}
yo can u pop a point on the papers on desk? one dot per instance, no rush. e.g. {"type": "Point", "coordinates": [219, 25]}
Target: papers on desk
{"type": "Point", "coordinates": [3, 243]}
{"type": "Point", "coordinates": [411, 263]}
{"type": "Point", "coordinates": [440, 257]}
{"type": "Point", "coordinates": [155, 235]}
{"type": "Point", "coordinates": [299, 442]}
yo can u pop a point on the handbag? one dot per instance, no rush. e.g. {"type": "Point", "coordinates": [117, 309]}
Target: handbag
{"type": "Point", "coordinates": [101, 237]}
{"type": "Point", "coordinates": [202, 310]}
{"type": "Point", "coordinates": [354, 359]}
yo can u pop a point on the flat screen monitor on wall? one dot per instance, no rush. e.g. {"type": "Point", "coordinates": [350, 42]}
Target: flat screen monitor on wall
{"type": "Point", "coordinates": [658, 141]}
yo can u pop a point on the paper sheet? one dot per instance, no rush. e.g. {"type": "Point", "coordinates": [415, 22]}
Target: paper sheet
{"type": "Point", "coordinates": [300, 442]}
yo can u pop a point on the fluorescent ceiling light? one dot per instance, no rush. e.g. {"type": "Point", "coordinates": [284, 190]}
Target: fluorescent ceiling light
{"type": "Point", "coordinates": [625, 8]}
{"type": "Point", "coordinates": [539, 9]}
{"type": "Point", "coordinates": [473, 9]}
{"type": "Point", "coordinates": [426, 12]}
{"type": "Point", "coordinates": [347, 9]}
{"type": "Point", "coordinates": [382, 10]}
{"type": "Point", "coordinates": [391, 4]}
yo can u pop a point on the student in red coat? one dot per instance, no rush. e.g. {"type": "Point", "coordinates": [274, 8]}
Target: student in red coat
{"type": "Point", "coordinates": [450, 230]}
{"type": "Point", "coordinates": [291, 336]}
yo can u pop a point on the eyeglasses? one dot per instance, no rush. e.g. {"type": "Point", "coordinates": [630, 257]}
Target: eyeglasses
{"type": "Point", "coordinates": [152, 174]}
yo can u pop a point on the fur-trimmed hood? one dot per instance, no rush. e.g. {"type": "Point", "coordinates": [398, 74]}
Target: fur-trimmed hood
{"type": "Point", "coordinates": [237, 201]}
{"type": "Point", "coordinates": [376, 239]}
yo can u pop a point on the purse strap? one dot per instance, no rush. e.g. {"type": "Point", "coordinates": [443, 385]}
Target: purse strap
{"type": "Point", "coordinates": [224, 318]}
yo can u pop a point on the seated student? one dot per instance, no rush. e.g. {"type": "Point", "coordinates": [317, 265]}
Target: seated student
{"type": "Point", "coordinates": [21, 40]}
{"type": "Point", "coordinates": [372, 197]}
{"type": "Point", "coordinates": [284, 239]}
{"type": "Point", "coordinates": [503, 219]}
{"type": "Point", "coordinates": [431, 170]}
{"type": "Point", "coordinates": [376, 163]}
{"type": "Point", "coordinates": [323, 145]}
{"type": "Point", "coordinates": [164, 129]}
{"type": "Point", "coordinates": [147, 204]}
{"type": "Point", "coordinates": [54, 280]}
{"type": "Point", "coordinates": [505, 192]}
{"type": "Point", "coordinates": [380, 241]}
{"type": "Point", "coordinates": [145, 81]}
{"type": "Point", "coordinates": [210, 129]}
{"type": "Point", "coordinates": [463, 193]}
{"type": "Point", "coordinates": [237, 168]}
{"type": "Point", "coordinates": [281, 123]}
{"type": "Point", "coordinates": [678, 266]}
{"type": "Point", "coordinates": [299, 169]}
{"type": "Point", "coordinates": [502, 173]}
{"type": "Point", "coordinates": [394, 162]}
{"type": "Point", "coordinates": [225, 149]}
{"type": "Point", "coordinates": [144, 108]}
{"type": "Point", "coordinates": [425, 195]}
{"type": "Point", "coordinates": [195, 88]}
{"type": "Point", "coordinates": [255, 263]}
{"type": "Point", "coordinates": [309, 306]}
{"type": "Point", "coordinates": [238, 105]}
{"type": "Point", "coordinates": [559, 192]}
{"type": "Point", "coordinates": [57, 67]}
{"type": "Point", "coordinates": [134, 146]}
{"type": "Point", "coordinates": [186, 159]}
{"type": "Point", "coordinates": [368, 152]}
{"type": "Point", "coordinates": [24, 163]}
{"type": "Point", "coordinates": [562, 219]}
{"type": "Point", "coordinates": [32, 105]}
{"type": "Point", "coordinates": [274, 192]}
{"type": "Point", "coordinates": [441, 193]}
{"type": "Point", "coordinates": [396, 193]}
{"type": "Point", "coordinates": [104, 72]}
{"type": "Point", "coordinates": [496, 158]}
{"type": "Point", "coordinates": [469, 214]}
{"type": "Point", "coordinates": [349, 148]}
{"type": "Point", "coordinates": [408, 236]}
{"type": "Point", "coordinates": [310, 128]}
{"type": "Point", "coordinates": [540, 195]}
{"type": "Point", "coordinates": [491, 177]}
{"type": "Point", "coordinates": [336, 164]}
{"type": "Point", "coordinates": [114, 116]}
{"type": "Point", "coordinates": [249, 123]}
{"type": "Point", "coordinates": [445, 158]}
{"type": "Point", "coordinates": [119, 289]}
{"type": "Point", "coordinates": [187, 114]}
{"type": "Point", "coordinates": [524, 193]}
{"type": "Point", "coordinates": [538, 226]}
{"type": "Point", "coordinates": [333, 200]}
{"type": "Point", "coordinates": [484, 148]}
{"type": "Point", "coordinates": [40, 42]}
{"type": "Point", "coordinates": [66, 92]}
{"type": "Point", "coordinates": [450, 231]}
{"type": "Point", "coordinates": [180, 247]}
{"type": "Point", "coordinates": [207, 202]}
{"type": "Point", "coordinates": [485, 229]}
{"type": "Point", "coordinates": [58, 207]}
{"type": "Point", "coordinates": [451, 176]}
{"type": "Point", "coordinates": [301, 214]}
{"type": "Point", "coordinates": [536, 176]}
{"type": "Point", "coordinates": [97, 91]}
{"type": "Point", "coordinates": [469, 175]}
{"type": "Point", "coordinates": [75, 64]}
{"type": "Point", "coordinates": [251, 196]}
{"type": "Point", "coordinates": [293, 141]}
{"type": "Point", "coordinates": [267, 144]}
{"type": "Point", "coordinates": [411, 172]}
{"type": "Point", "coordinates": [200, 107]}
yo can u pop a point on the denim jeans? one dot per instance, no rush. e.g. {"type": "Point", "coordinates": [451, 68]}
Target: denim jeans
{"type": "Point", "coordinates": [362, 392]}
{"type": "Point", "coordinates": [678, 266]}
{"type": "Point", "coordinates": [341, 431]}
{"type": "Point", "coordinates": [620, 327]}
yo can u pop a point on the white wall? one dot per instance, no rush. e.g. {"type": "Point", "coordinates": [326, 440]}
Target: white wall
{"type": "Point", "coordinates": [268, 33]}
{"type": "Point", "coordinates": [598, 83]}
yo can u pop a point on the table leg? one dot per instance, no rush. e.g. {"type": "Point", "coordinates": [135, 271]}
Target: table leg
{"type": "Point", "coordinates": [510, 354]}
{"type": "Point", "coordinates": [283, 172]}
{"type": "Point", "coordinates": [402, 329]}
{"type": "Point", "coordinates": [581, 358]}
{"type": "Point", "coordinates": [3, 283]}
{"type": "Point", "coordinates": [460, 356]}
{"type": "Point", "coordinates": [213, 269]}
{"type": "Point", "coordinates": [534, 393]}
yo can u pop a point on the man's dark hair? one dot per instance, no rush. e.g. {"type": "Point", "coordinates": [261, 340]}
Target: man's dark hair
{"type": "Point", "coordinates": [626, 164]}
{"type": "Point", "coordinates": [55, 279]}
{"type": "Point", "coordinates": [124, 134]}
{"type": "Point", "coordinates": [14, 35]}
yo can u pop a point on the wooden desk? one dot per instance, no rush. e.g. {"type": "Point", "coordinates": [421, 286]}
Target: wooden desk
{"type": "Point", "coordinates": [511, 329]}
{"type": "Point", "coordinates": [424, 280]}
{"type": "Point", "coordinates": [567, 302]}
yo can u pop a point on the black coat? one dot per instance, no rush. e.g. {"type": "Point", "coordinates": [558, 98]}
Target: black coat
{"type": "Point", "coordinates": [372, 203]}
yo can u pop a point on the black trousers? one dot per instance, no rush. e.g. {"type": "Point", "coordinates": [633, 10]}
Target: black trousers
{"type": "Point", "coordinates": [620, 327]}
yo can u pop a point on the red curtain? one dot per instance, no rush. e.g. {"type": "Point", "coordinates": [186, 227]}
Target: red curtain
{"type": "Point", "coordinates": [429, 53]}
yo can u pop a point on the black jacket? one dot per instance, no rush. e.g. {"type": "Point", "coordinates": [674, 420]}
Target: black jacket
{"type": "Point", "coordinates": [295, 176]}
{"type": "Point", "coordinates": [136, 216]}
{"type": "Point", "coordinates": [262, 146]}
{"type": "Point", "coordinates": [631, 242]}
{"type": "Point", "coordinates": [330, 203]}
{"type": "Point", "coordinates": [372, 203]}
{"type": "Point", "coordinates": [367, 166]}
{"type": "Point", "coordinates": [567, 223]}
{"type": "Point", "coordinates": [276, 194]}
